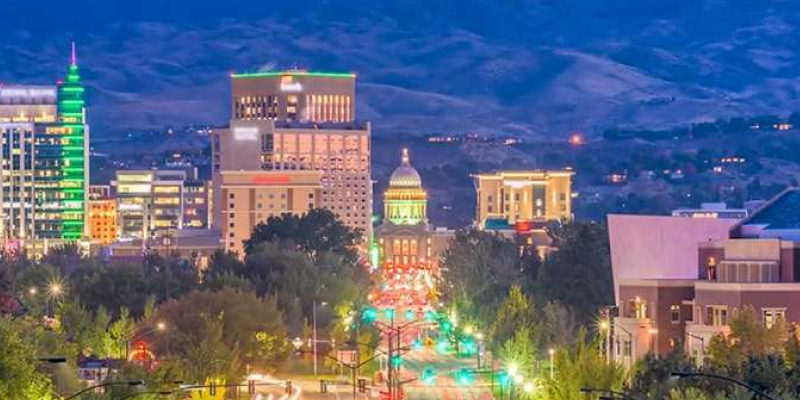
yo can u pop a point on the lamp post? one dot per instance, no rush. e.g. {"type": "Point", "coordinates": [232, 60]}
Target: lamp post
{"type": "Point", "coordinates": [314, 331]}
{"type": "Point", "coordinates": [552, 353]}
{"type": "Point", "coordinates": [756, 391]}
{"type": "Point", "coordinates": [702, 346]}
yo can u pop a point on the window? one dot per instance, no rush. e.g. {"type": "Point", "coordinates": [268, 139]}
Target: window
{"type": "Point", "coordinates": [717, 315]}
{"type": "Point", "coordinates": [772, 316]}
{"type": "Point", "coordinates": [675, 313]}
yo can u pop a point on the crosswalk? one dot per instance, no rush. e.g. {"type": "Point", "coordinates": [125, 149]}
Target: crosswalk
{"type": "Point", "coordinates": [444, 387]}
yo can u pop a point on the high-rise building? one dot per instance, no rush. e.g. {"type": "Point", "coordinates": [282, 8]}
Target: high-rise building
{"type": "Point", "coordinates": [196, 195]}
{"type": "Point", "coordinates": [300, 121]}
{"type": "Point", "coordinates": [44, 163]}
{"type": "Point", "coordinates": [513, 197]}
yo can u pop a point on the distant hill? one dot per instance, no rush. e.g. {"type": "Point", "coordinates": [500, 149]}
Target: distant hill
{"type": "Point", "coordinates": [533, 68]}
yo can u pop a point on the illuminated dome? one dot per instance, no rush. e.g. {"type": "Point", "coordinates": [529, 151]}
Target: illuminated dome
{"type": "Point", "coordinates": [405, 176]}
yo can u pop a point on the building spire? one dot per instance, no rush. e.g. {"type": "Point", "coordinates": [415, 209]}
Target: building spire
{"type": "Point", "coordinates": [73, 58]}
{"type": "Point", "coordinates": [404, 159]}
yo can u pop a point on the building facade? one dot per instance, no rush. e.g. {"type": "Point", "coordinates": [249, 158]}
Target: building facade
{"type": "Point", "coordinates": [44, 163]}
{"type": "Point", "coordinates": [514, 196]}
{"type": "Point", "coordinates": [756, 264]}
{"type": "Point", "coordinates": [294, 95]}
{"type": "Point", "coordinates": [307, 124]}
{"type": "Point", "coordinates": [248, 198]}
{"type": "Point", "coordinates": [149, 202]}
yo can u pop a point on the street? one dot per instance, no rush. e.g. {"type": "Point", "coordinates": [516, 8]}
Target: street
{"type": "Point", "coordinates": [444, 386]}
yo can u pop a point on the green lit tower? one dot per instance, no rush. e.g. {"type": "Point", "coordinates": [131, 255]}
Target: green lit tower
{"type": "Point", "coordinates": [71, 137]}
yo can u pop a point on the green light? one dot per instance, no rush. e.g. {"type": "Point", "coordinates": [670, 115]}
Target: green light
{"type": "Point", "coordinates": [397, 361]}
{"type": "Point", "coordinates": [417, 344]}
{"type": "Point", "coordinates": [389, 313]}
{"type": "Point", "coordinates": [468, 346]}
{"type": "Point", "coordinates": [271, 74]}
{"type": "Point", "coordinates": [430, 316]}
{"type": "Point", "coordinates": [442, 346]}
{"type": "Point", "coordinates": [465, 377]}
{"type": "Point", "coordinates": [411, 315]}
{"type": "Point", "coordinates": [369, 315]}
{"type": "Point", "coordinates": [429, 376]}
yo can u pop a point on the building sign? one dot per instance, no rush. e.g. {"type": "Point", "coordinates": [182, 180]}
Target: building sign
{"type": "Point", "coordinates": [292, 87]}
{"type": "Point", "coordinates": [23, 93]}
{"type": "Point", "coordinates": [272, 179]}
{"type": "Point", "coordinates": [245, 133]}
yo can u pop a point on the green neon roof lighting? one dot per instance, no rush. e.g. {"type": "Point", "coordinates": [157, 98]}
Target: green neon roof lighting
{"type": "Point", "coordinates": [270, 74]}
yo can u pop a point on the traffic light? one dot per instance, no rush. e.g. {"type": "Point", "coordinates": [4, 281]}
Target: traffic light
{"type": "Point", "coordinates": [503, 378]}
{"type": "Point", "coordinates": [430, 316]}
{"type": "Point", "coordinates": [447, 326]}
{"type": "Point", "coordinates": [442, 345]}
{"type": "Point", "coordinates": [429, 376]}
{"type": "Point", "coordinates": [468, 346]}
{"type": "Point", "coordinates": [464, 377]}
{"type": "Point", "coordinates": [396, 361]}
{"type": "Point", "coordinates": [369, 315]}
{"type": "Point", "coordinates": [389, 312]}
{"type": "Point", "coordinates": [411, 315]}
{"type": "Point", "coordinates": [417, 344]}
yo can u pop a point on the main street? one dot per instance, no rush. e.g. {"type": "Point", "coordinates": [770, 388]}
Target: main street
{"type": "Point", "coordinates": [445, 385]}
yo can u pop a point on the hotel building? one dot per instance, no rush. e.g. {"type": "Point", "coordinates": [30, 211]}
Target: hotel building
{"type": "Point", "coordinates": [515, 196]}
{"type": "Point", "coordinates": [44, 163]}
{"type": "Point", "coordinates": [298, 121]}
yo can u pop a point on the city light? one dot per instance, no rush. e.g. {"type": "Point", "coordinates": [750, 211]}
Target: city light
{"type": "Point", "coordinates": [161, 326]}
{"type": "Point", "coordinates": [429, 376]}
{"type": "Point", "coordinates": [528, 387]}
{"type": "Point", "coordinates": [513, 369]}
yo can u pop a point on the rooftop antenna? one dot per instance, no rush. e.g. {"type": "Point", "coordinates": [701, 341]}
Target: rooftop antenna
{"type": "Point", "coordinates": [73, 59]}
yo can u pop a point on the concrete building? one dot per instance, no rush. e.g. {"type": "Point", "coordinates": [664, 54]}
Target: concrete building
{"type": "Point", "coordinates": [514, 196]}
{"type": "Point", "coordinates": [197, 195]}
{"type": "Point", "coordinates": [309, 125]}
{"type": "Point", "coordinates": [250, 197]}
{"type": "Point", "coordinates": [682, 280]}
{"type": "Point", "coordinates": [149, 202]}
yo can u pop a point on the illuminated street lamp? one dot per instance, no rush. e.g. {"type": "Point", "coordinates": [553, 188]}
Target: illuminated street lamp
{"type": "Point", "coordinates": [297, 343]}
{"type": "Point", "coordinates": [512, 369]}
{"type": "Point", "coordinates": [552, 353]}
{"type": "Point", "coordinates": [528, 387]}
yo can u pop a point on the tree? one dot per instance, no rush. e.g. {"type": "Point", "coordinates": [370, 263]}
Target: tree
{"type": "Point", "coordinates": [314, 232]}
{"type": "Point", "coordinates": [581, 365]}
{"type": "Point", "coordinates": [250, 328]}
{"type": "Point", "coordinates": [748, 338]}
{"type": "Point", "coordinates": [516, 312]}
{"type": "Point", "coordinates": [478, 269]}
{"type": "Point", "coordinates": [521, 350]}
{"type": "Point", "coordinates": [19, 379]}
{"type": "Point", "coordinates": [652, 376]}
{"type": "Point", "coordinates": [578, 273]}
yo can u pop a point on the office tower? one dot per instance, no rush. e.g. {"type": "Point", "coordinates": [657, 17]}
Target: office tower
{"type": "Point", "coordinates": [522, 197]}
{"type": "Point", "coordinates": [149, 202]}
{"type": "Point", "coordinates": [307, 124]}
{"type": "Point", "coordinates": [196, 195]}
{"type": "Point", "coordinates": [44, 163]}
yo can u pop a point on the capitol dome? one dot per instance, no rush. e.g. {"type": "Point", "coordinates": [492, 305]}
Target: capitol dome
{"type": "Point", "coordinates": [405, 176]}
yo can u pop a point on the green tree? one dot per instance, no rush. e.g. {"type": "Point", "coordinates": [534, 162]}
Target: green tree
{"type": "Point", "coordinates": [581, 365]}
{"type": "Point", "coordinates": [19, 378]}
{"type": "Point", "coordinates": [478, 269]}
{"type": "Point", "coordinates": [578, 273]}
{"type": "Point", "coordinates": [314, 232]}
{"type": "Point", "coordinates": [652, 375]}
{"type": "Point", "coordinates": [516, 312]}
{"type": "Point", "coordinates": [252, 328]}
{"type": "Point", "coordinates": [521, 350]}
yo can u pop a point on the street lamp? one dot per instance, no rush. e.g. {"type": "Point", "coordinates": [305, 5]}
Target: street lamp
{"type": "Point", "coordinates": [552, 353]}
{"type": "Point", "coordinates": [755, 391]}
{"type": "Point", "coordinates": [314, 320]}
